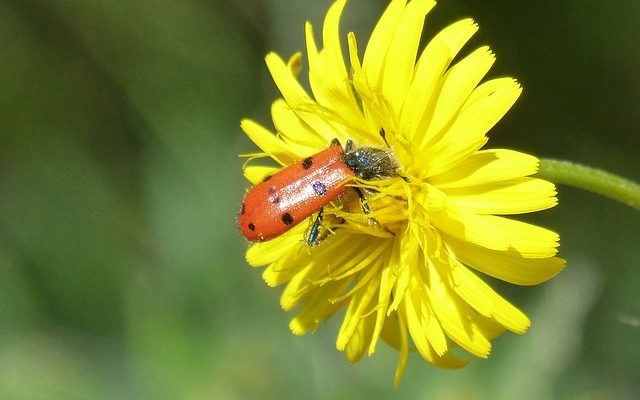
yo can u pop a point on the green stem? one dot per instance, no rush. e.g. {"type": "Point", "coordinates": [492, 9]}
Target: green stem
{"type": "Point", "coordinates": [591, 179]}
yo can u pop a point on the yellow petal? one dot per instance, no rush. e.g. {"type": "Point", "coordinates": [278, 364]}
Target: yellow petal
{"type": "Point", "coordinates": [487, 166]}
{"type": "Point", "coordinates": [394, 333]}
{"type": "Point", "coordinates": [338, 87]}
{"type": "Point", "coordinates": [449, 361]}
{"type": "Point", "coordinates": [389, 268]}
{"type": "Point", "coordinates": [401, 57]}
{"type": "Point", "coordinates": [257, 173]}
{"type": "Point", "coordinates": [331, 39]}
{"type": "Point", "coordinates": [293, 93]}
{"type": "Point", "coordinates": [299, 101]}
{"type": "Point", "coordinates": [414, 324]}
{"type": "Point", "coordinates": [372, 258]}
{"type": "Point", "coordinates": [424, 326]}
{"type": "Point", "coordinates": [457, 85]}
{"type": "Point", "coordinates": [515, 196]}
{"type": "Point", "coordinates": [313, 55]}
{"type": "Point", "coordinates": [302, 139]}
{"type": "Point", "coordinates": [496, 233]}
{"type": "Point", "coordinates": [508, 266]}
{"type": "Point", "coordinates": [431, 66]}
{"type": "Point", "coordinates": [299, 285]}
{"type": "Point", "coordinates": [486, 301]}
{"type": "Point", "coordinates": [280, 271]}
{"type": "Point", "coordinates": [318, 307]}
{"type": "Point", "coordinates": [328, 76]}
{"type": "Point", "coordinates": [268, 142]}
{"type": "Point", "coordinates": [359, 306]}
{"type": "Point", "coordinates": [406, 251]}
{"type": "Point", "coordinates": [360, 339]}
{"type": "Point", "coordinates": [376, 52]}
{"type": "Point", "coordinates": [354, 57]}
{"type": "Point", "coordinates": [456, 317]}
{"type": "Point", "coordinates": [404, 353]}
{"type": "Point", "coordinates": [487, 104]}
{"type": "Point", "coordinates": [343, 253]}
{"type": "Point", "coordinates": [259, 254]}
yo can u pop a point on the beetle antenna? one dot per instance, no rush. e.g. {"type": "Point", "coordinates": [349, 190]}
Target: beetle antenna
{"type": "Point", "coordinates": [383, 134]}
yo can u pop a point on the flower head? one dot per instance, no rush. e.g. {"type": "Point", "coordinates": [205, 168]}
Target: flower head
{"type": "Point", "coordinates": [405, 272]}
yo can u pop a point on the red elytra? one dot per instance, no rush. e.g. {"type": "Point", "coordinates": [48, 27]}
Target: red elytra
{"type": "Point", "coordinates": [303, 188]}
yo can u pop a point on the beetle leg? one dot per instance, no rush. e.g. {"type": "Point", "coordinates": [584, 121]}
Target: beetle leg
{"type": "Point", "coordinates": [366, 210]}
{"type": "Point", "coordinates": [314, 233]}
{"type": "Point", "coordinates": [363, 200]}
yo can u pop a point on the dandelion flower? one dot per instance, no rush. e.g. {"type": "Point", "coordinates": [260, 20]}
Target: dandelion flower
{"type": "Point", "coordinates": [409, 278]}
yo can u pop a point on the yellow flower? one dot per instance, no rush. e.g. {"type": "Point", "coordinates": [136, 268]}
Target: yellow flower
{"type": "Point", "coordinates": [405, 272]}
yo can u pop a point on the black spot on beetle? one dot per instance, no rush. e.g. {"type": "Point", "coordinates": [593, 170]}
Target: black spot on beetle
{"type": "Point", "coordinates": [274, 199]}
{"type": "Point", "coordinates": [307, 163]}
{"type": "Point", "coordinates": [251, 226]}
{"type": "Point", "coordinates": [287, 219]}
{"type": "Point", "coordinates": [319, 188]}
{"type": "Point", "coordinates": [272, 189]}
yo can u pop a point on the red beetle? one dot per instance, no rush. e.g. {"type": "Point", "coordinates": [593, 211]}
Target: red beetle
{"type": "Point", "coordinates": [303, 188]}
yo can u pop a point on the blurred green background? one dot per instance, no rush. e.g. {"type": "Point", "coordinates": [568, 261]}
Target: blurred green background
{"type": "Point", "coordinates": [122, 275]}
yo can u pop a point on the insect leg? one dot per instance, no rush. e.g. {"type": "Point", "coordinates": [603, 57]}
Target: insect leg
{"type": "Point", "coordinates": [363, 200]}
{"type": "Point", "coordinates": [366, 210]}
{"type": "Point", "coordinates": [314, 233]}
{"type": "Point", "coordinates": [383, 134]}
